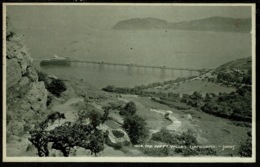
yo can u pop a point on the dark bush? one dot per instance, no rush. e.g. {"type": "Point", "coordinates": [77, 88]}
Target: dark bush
{"type": "Point", "coordinates": [136, 129]}
{"type": "Point", "coordinates": [165, 136]}
{"type": "Point", "coordinates": [109, 88]}
{"type": "Point", "coordinates": [105, 115]}
{"type": "Point", "coordinates": [42, 77]}
{"type": "Point", "coordinates": [49, 99]}
{"type": "Point", "coordinates": [245, 149]}
{"type": "Point", "coordinates": [130, 108]}
{"type": "Point", "coordinates": [56, 87]}
{"type": "Point", "coordinates": [94, 116]}
{"type": "Point", "coordinates": [158, 152]}
{"type": "Point", "coordinates": [198, 151]}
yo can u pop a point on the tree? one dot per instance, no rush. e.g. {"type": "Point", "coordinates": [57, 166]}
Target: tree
{"type": "Point", "coordinates": [136, 129]}
{"type": "Point", "coordinates": [56, 87]}
{"type": "Point", "coordinates": [67, 136]}
{"type": "Point", "coordinates": [105, 115]}
{"type": "Point", "coordinates": [130, 108]}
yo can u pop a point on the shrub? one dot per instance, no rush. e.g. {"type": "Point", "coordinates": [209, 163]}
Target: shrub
{"type": "Point", "coordinates": [165, 136]}
{"type": "Point", "coordinates": [158, 152]}
{"type": "Point", "coordinates": [130, 108]}
{"type": "Point", "coordinates": [42, 77]}
{"type": "Point", "coordinates": [245, 149]}
{"type": "Point", "coordinates": [198, 151]}
{"type": "Point", "coordinates": [94, 116]}
{"type": "Point", "coordinates": [56, 87]}
{"type": "Point", "coordinates": [136, 129]}
{"type": "Point", "coordinates": [105, 115]}
{"type": "Point", "coordinates": [109, 88]}
{"type": "Point", "coordinates": [187, 138]}
{"type": "Point", "coordinates": [49, 99]}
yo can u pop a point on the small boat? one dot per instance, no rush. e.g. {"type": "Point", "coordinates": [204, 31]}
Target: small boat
{"type": "Point", "coordinates": [56, 60]}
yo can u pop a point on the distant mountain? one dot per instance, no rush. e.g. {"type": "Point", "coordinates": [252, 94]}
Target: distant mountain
{"type": "Point", "coordinates": [145, 23]}
{"type": "Point", "coordinates": [206, 24]}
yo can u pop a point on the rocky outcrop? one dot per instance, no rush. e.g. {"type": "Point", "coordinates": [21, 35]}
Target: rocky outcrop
{"type": "Point", "coordinates": [26, 97]}
{"type": "Point", "coordinates": [37, 97]}
{"type": "Point", "coordinates": [117, 138]}
{"type": "Point", "coordinates": [13, 72]}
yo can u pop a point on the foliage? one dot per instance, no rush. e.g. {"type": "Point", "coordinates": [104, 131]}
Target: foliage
{"type": "Point", "coordinates": [93, 115]}
{"type": "Point", "coordinates": [67, 136]}
{"type": "Point", "coordinates": [130, 108]}
{"type": "Point", "coordinates": [193, 100]}
{"type": "Point", "coordinates": [136, 129]}
{"type": "Point", "coordinates": [242, 124]}
{"type": "Point", "coordinates": [171, 103]}
{"type": "Point", "coordinates": [235, 105]}
{"type": "Point", "coordinates": [198, 151]}
{"type": "Point", "coordinates": [42, 77]}
{"type": "Point", "coordinates": [235, 76]}
{"type": "Point", "coordinates": [158, 152]}
{"type": "Point", "coordinates": [51, 118]}
{"type": "Point", "coordinates": [245, 149]}
{"type": "Point", "coordinates": [105, 116]}
{"type": "Point", "coordinates": [142, 90]}
{"type": "Point", "coordinates": [186, 139]}
{"type": "Point", "coordinates": [165, 136]}
{"type": "Point", "coordinates": [56, 87]}
{"type": "Point", "coordinates": [49, 99]}
{"type": "Point", "coordinates": [114, 106]}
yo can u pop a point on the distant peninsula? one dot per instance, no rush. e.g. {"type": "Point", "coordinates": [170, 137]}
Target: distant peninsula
{"type": "Point", "coordinates": [221, 24]}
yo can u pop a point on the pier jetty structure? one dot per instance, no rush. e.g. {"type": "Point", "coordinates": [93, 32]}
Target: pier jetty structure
{"type": "Point", "coordinates": [67, 61]}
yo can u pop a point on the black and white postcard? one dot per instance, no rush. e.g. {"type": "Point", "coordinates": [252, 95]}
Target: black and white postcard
{"type": "Point", "coordinates": [88, 82]}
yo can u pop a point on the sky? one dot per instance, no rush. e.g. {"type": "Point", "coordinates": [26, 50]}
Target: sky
{"type": "Point", "coordinates": [105, 17]}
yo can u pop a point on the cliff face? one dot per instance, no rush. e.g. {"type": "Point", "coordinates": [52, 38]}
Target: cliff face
{"type": "Point", "coordinates": [26, 97]}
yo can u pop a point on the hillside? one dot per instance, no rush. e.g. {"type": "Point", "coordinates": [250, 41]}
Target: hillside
{"type": "Point", "coordinates": [201, 101]}
{"type": "Point", "coordinates": [239, 64]}
{"type": "Point", "coordinates": [207, 24]}
{"type": "Point", "coordinates": [228, 87]}
{"type": "Point", "coordinates": [236, 73]}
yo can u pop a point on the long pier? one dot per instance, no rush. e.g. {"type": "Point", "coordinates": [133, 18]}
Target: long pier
{"type": "Point", "coordinates": [200, 70]}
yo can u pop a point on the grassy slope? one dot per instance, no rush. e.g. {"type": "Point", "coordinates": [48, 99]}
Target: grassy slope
{"type": "Point", "coordinates": [209, 130]}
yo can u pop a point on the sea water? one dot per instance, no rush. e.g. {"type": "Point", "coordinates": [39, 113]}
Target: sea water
{"type": "Point", "coordinates": [170, 48]}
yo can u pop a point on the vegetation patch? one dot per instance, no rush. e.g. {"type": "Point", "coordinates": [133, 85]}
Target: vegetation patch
{"type": "Point", "coordinates": [136, 129]}
{"type": "Point", "coordinates": [184, 140]}
{"type": "Point", "coordinates": [68, 135]}
{"type": "Point", "coordinates": [245, 149]}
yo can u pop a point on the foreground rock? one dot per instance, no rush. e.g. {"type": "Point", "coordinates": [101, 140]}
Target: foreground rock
{"type": "Point", "coordinates": [117, 138]}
